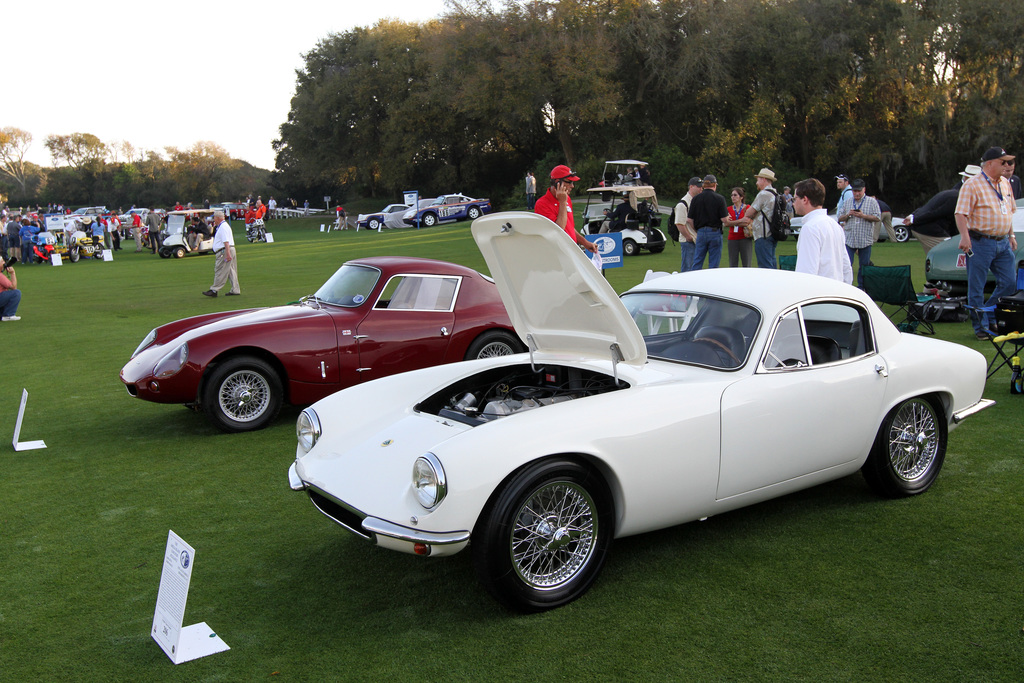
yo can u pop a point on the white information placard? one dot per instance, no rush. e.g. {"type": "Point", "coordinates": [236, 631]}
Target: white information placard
{"type": "Point", "coordinates": [191, 642]}
{"type": "Point", "coordinates": [24, 445]}
{"type": "Point", "coordinates": [108, 255]}
{"type": "Point", "coordinates": [270, 238]}
{"type": "Point", "coordinates": [55, 260]}
{"type": "Point", "coordinates": [322, 227]}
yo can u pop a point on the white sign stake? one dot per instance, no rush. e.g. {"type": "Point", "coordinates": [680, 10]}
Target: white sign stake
{"type": "Point", "coordinates": [26, 445]}
{"type": "Point", "coordinates": [191, 642]}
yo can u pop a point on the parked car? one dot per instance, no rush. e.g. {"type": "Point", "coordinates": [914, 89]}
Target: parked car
{"type": "Point", "coordinates": [89, 211]}
{"type": "Point", "coordinates": [234, 210]}
{"type": "Point", "coordinates": [390, 217]}
{"type": "Point", "coordinates": [374, 317]}
{"type": "Point", "coordinates": [692, 395]}
{"type": "Point", "coordinates": [945, 262]}
{"type": "Point", "coordinates": [449, 207]}
{"type": "Point", "coordinates": [901, 231]}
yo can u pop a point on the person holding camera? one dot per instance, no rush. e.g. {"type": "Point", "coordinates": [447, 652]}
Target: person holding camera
{"type": "Point", "coordinates": [10, 295]}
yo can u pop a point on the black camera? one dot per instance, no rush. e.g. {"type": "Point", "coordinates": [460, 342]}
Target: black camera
{"type": "Point", "coordinates": [9, 261]}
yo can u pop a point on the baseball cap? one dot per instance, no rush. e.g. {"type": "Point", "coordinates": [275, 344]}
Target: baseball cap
{"type": "Point", "coordinates": [563, 172]}
{"type": "Point", "coordinates": [996, 153]}
{"type": "Point", "coordinates": [858, 184]}
{"type": "Point", "coordinates": [842, 176]}
{"type": "Point", "coordinates": [694, 181]}
{"type": "Point", "coordinates": [710, 179]}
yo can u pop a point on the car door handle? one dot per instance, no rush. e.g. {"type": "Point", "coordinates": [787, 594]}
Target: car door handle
{"type": "Point", "coordinates": [880, 369]}
{"type": "Point", "coordinates": [444, 331]}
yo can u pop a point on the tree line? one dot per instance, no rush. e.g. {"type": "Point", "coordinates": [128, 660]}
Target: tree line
{"type": "Point", "coordinates": [903, 93]}
{"type": "Point", "coordinates": [88, 171]}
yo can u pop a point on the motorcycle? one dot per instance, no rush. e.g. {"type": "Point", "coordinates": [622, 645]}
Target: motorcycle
{"type": "Point", "coordinates": [256, 231]}
{"type": "Point", "coordinates": [80, 244]}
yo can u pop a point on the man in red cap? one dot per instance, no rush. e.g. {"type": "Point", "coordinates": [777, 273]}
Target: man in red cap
{"type": "Point", "coordinates": [556, 205]}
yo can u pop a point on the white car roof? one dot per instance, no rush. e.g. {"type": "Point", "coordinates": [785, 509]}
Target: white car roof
{"type": "Point", "coordinates": [552, 292]}
{"type": "Point", "coordinates": [767, 289]}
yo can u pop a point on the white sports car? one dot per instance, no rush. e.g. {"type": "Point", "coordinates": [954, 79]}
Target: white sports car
{"type": "Point", "coordinates": [744, 384]}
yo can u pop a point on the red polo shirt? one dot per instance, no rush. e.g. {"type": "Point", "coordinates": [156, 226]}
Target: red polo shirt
{"type": "Point", "coordinates": [547, 206]}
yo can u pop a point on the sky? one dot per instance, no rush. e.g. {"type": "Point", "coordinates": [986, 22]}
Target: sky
{"type": "Point", "coordinates": [169, 74]}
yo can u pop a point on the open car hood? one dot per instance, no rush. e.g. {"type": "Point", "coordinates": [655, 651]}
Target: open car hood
{"type": "Point", "coordinates": [554, 295]}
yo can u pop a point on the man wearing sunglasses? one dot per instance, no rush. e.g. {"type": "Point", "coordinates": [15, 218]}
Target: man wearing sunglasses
{"type": "Point", "coordinates": [556, 204]}
{"type": "Point", "coordinates": [1008, 173]}
{"type": "Point", "coordinates": [984, 219]}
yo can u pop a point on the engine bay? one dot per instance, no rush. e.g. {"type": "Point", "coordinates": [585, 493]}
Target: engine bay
{"type": "Point", "coordinates": [500, 392]}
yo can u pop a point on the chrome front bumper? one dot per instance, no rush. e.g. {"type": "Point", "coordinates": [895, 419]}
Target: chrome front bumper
{"type": "Point", "coordinates": [380, 531]}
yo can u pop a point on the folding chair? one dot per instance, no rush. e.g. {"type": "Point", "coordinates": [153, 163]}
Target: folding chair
{"type": "Point", "coordinates": [787, 262]}
{"type": "Point", "coordinates": [1009, 321]}
{"type": "Point", "coordinates": [892, 285]}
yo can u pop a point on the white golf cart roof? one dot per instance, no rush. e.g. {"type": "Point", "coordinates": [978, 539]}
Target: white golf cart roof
{"type": "Point", "coordinates": [635, 193]}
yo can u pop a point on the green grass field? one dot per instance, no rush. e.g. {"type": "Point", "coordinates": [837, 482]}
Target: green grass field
{"type": "Point", "coordinates": [828, 584]}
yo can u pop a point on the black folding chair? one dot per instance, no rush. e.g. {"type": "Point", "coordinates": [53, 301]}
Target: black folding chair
{"type": "Point", "coordinates": [1009, 322]}
{"type": "Point", "coordinates": [892, 285]}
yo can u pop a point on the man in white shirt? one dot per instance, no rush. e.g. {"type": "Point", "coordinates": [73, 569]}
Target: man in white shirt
{"type": "Point", "coordinates": [845, 192]}
{"type": "Point", "coordinates": [821, 249]}
{"type": "Point", "coordinates": [226, 266]}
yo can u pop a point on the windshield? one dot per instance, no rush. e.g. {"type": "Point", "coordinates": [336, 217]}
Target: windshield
{"type": "Point", "coordinates": [349, 286]}
{"type": "Point", "coordinates": [694, 329]}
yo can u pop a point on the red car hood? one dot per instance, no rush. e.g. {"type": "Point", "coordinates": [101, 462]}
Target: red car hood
{"type": "Point", "coordinates": [190, 328]}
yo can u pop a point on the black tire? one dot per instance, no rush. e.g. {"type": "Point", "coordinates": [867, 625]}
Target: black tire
{"type": "Point", "coordinates": [902, 233]}
{"type": "Point", "coordinates": [242, 394]}
{"type": "Point", "coordinates": [374, 224]}
{"type": "Point", "coordinates": [542, 539]}
{"type": "Point", "coordinates": [429, 220]}
{"type": "Point", "coordinates": [473, 213]}
{"type": "Point", "coordinates": [178, 252]}
{"type": "Point", "coordinates": [909, 449]}
{"type": "Point", "coordinates": [73, 254]}
{"type": "Point", "coordinates": [629, 248]}
{"type": "Point", "coordinates": [492, 344]}
{"type": "Point", "coordinates": [656, 250]}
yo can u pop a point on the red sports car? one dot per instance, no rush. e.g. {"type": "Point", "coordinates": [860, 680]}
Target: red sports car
{"type": "Point", "coordinates": [373, 317]}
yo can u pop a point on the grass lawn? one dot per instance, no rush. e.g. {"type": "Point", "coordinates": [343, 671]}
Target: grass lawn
{"type": "Point", "coordinates": [827, 584]}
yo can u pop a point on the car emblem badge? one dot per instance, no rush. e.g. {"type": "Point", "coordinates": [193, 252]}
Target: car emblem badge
{"type": "Point", "coordinates": [387, 443]}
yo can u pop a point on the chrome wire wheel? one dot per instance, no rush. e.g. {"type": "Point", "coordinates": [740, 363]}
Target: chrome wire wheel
{"type": "Point", "coordinates": [913, 440]}
{"type": "Point", "coordinates": [494, 349]}
{"type": "Point", "coordinates": [244, 395]}
{"type": "Point", "coordinates": [554, 535]}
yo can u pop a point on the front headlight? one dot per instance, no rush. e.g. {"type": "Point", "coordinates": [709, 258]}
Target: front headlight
{"type": "Point", "coordinates": [428, 481]}
{"type": "Point", "coordinates": [150, 338]}
{"type": "Point", "coordinates": [307, 429]}
{"type": "Point", "coordinates": [172, 362]}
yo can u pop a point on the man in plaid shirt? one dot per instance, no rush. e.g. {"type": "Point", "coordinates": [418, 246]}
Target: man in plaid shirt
{"type": "Point", "coordinates": [984, 219]}
{"type": "Point", "coordinates": [858, 214]}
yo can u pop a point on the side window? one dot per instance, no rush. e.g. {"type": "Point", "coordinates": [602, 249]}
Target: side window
{"type": "Point", "coordinates": [837, 331]}
{"type": "Point", "coordinates": [419, 293]}
{"type": "Point", "coordinates": [787, 347]}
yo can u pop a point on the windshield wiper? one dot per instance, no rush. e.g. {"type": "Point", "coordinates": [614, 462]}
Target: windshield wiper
{"type": "Point", "coordinates": [312, 299]}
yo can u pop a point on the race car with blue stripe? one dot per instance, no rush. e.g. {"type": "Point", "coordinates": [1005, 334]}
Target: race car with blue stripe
{"type": "Point", "coordinates": [447, 208]}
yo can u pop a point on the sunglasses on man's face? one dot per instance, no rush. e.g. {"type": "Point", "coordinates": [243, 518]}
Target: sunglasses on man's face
{"type": "Point", "coordinates": [1009, 163]}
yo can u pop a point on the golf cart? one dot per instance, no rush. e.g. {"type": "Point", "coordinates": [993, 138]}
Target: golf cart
{"type": "Point", "coordinates": [178, 241]}
{"type": "Point", "coordinates": [630, 209]}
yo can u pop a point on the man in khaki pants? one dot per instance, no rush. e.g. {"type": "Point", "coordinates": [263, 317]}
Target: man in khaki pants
{"type": "Point", "coordinates": [226, 266]}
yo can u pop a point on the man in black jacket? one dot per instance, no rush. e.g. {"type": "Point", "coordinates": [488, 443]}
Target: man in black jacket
{"type": "Point", "coordinates": [934, 222]}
